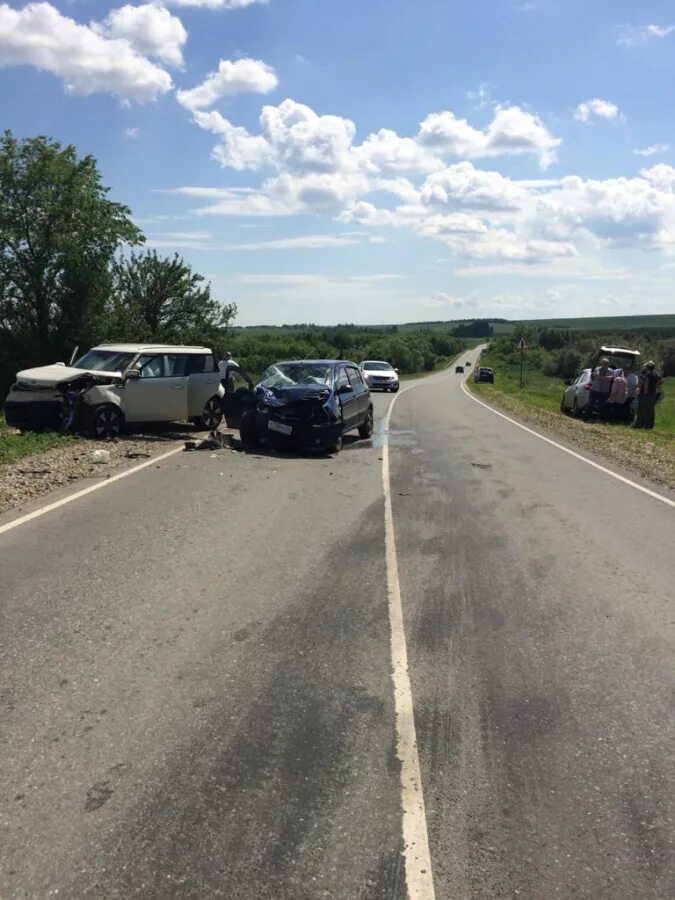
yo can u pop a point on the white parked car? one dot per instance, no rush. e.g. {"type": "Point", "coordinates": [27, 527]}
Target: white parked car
{"type": "Point", "coordinates": [577, 393]}
{"type": "Point", "coordinates": [380, 375]}
{"type": "Point", "coordinates": [114, 385]}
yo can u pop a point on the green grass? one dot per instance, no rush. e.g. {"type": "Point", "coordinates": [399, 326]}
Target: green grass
{"type": "Point", "coordinates": [595, 324]}
{"type": "Point", "coordinates": [543, 392]}
{"type": "Point", "coordinates": [15, 446]}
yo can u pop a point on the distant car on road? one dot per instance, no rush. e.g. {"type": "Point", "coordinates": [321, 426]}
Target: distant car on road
{"type": "Point", "coordinates": [307, 403]}
{"type": "Point", "coordinates": [459, 370]}
{"type": "Point", "coordinates": [484, 374]}
{"type": "Point", "coordinates": [468, 363]}
{"type": "Point", "coordinates": [380, 375]}
{"type": "Point", "coordinates": [577, 392]}
{"type": "Point", "coordinates": [113, 385]}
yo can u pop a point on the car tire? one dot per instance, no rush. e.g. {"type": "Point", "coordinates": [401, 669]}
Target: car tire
{"type": "Point", "coordinates": [563, 408]}
{"type": "Point", "coordinates": [248, 432]}
{"type": "Point", "coordinates": [337, 446]}
{"type": "Point", "coordinates": [394, 390]}
{"type": "Point", "coordinates": [211, 417]}
{"type": "Point", "coordinates": [366, 429]}
{"type": "Point", "coordinates": [104, 422]}
{"type": "Point", "coordinates": [575, 408]}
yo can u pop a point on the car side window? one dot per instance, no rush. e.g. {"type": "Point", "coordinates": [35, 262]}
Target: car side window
{"type": "Point", "coordinates": [199, 363]}
{"type": "Point", "coordinates": [152, 367]}
{"type": "Point", "coordinates": [176, 365]}
{"type": "Point", "coordinates": [354, 377]}
{"type": "Point", "coordinates": [341, 378]}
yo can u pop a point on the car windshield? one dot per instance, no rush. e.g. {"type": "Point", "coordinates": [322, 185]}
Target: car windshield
{"type": "Point", "coordinates": [376, 366]}
{"type": "Point", "coordinates": [288, 374]}
{"type": "Point", "coordinates": [104, 361]}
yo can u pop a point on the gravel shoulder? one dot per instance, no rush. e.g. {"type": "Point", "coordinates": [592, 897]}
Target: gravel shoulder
{"type": "Point", "coordinates": [650, 460]}
{"type": "Point", "coordinates": [34, 476]}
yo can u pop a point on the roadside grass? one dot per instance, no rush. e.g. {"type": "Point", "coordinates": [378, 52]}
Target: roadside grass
{"type": "Point", "coordinates": [14, 446]}
{"type": "Point", "coordinates": [542, 392]}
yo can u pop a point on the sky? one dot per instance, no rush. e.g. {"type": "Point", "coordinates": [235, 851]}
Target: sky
{"type": "Point", "coordinates": [373, 161]}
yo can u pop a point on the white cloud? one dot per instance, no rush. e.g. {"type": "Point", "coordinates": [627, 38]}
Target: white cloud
{"type": "Point", "coordinates": [387, 153]}
{"type": "Point", "coordinates": [652, 150]}
{"type": "Point", "coordinates": [217, 4]}
{"type": "Point", "coordinates": [303, 242]}
{"type": "Point", "coordinates": [552, 297]}
{"type": "Point", "coordinates": [87, 61]}
{"type": "Point", "coordinates": [132, 132]}
{"type": "Point", "coordinates": [462, 186]}
{"type": "Point", "coordinates": [238, 77]}
{"type": "Point", "coordinates": [150, 29]}
{"type": "Point", "coordinates": [306, 142]}
{"type": "Point", "coordinates": [238, 149]}
{"type": "Point", "coordinates": [634, 35]}
{"type": "Point", "coordinates": [442, 300]}
{"type": "Point", "coordinates": [512, 131]}
{"type": "Point", "coordinates": [660, 31]}
{"type": "Point", "coordinates": [598, 109]}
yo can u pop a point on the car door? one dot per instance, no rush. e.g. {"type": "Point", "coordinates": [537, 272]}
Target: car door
{"type": "Point", "coordinates": [203, 381]}
{"type": "Point", "coordinates": [361, 392]}
{"type": "Point", "coordinates": [347, 398]}
{"type": "Point", "coordinates": [160, 393]}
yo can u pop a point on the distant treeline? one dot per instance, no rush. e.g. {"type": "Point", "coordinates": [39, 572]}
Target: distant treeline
{"type": "Point", "coordinates": [561, 353]}
{"type": "Point", "coordinates": [416, 350]}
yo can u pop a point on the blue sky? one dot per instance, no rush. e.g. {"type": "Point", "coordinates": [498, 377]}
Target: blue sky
{"type": "Point", "coordinates": [378, 161]}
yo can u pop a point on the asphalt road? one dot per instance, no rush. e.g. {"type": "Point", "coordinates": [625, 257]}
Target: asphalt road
{"type": "Point", "coordinates": [196, 696]}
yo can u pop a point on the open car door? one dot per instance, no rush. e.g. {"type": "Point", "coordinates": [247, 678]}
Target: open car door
{"type": "Point", "coordinates": [235, 403]}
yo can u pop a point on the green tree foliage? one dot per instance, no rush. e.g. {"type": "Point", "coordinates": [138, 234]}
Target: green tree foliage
{"type": "Point", "coordinates": [160, 299]}
{"type": "Point", "coordinates": [59, 232]}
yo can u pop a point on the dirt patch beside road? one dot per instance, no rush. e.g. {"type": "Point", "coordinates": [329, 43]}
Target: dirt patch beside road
{"type": "Point", "coordinates": [653, 461]}
{"type": "Point", "coordinates": [35, 476]}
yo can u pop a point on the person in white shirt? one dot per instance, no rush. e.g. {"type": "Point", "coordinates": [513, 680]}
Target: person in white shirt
{"type": "Point", "coordinates": [633, 390]}
{"type": "Point", "coordinates": [227, 368]}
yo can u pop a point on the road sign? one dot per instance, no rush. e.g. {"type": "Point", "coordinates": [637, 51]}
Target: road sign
{"type": "Point", "coordinates": [521, 345]}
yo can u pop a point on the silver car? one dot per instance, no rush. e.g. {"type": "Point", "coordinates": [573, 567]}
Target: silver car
{"type": "Point", "coordinates": [577, 393]}
{"type": "Point", "coordinates": [380, 375]}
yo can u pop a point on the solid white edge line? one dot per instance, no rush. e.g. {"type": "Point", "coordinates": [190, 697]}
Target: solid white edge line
{"type": "Point", "coordinates": [22, 520]}
{"type": "Point", "coordinates": [417, 854]}
{"type": "Point", "coordinates": [589, 462]}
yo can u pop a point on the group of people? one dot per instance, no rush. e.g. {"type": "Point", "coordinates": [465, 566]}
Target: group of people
{"type": "Point", "coordinates": [614, 392]}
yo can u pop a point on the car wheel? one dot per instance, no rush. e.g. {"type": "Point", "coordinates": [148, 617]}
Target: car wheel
{"type": "Point", "coordinates": [104, 423]}
{"type": "Point", "coordinates": [394, 389]}
{"type": "Point", "coordinates": [575, 408]}
{"type": "Point", "coordinates": [248, 433]}
{"type": "Point", "coordinates": [366, 430]}
{"type": "Point", "coordinates": [211, 416]}
{"type": "Point", "coordinates": [562, 405]}
{"type": "Point", "coordinates": [337, 446]}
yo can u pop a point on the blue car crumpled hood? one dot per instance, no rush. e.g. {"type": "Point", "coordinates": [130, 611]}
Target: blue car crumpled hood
{"type": "Point", "coordinates": [282, 396]}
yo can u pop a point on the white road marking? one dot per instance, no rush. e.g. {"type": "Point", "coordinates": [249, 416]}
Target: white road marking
{"type": "Point", "coordinates": [43, 510]}
{"type": "Point", "coordinates": [419, 876]}
{"type": "Point", "coordinates": [589, 462]}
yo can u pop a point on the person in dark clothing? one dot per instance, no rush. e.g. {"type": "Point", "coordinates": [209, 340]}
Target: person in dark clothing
{"type": "Point", "coordinates": [650, 382]}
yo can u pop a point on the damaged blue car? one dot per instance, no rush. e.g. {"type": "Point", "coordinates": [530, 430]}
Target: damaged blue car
{"type": "Point", "coordinates": [303, 403]}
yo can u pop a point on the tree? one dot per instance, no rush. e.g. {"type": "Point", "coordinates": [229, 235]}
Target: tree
{"type": "Point", "coordinates": [59, 232]}
{"type": "Point", "coordinates": [159, 299]}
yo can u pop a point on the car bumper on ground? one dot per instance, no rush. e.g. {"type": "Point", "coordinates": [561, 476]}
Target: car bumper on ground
{"type": "Point", "coordinates": [34, 415]}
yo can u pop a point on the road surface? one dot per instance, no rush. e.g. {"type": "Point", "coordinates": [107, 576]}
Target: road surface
{"type": "Point", "coordinates": [196, 677]}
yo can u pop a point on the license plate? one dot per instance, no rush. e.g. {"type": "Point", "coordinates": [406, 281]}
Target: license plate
{"type": "Point", "coordinates": [278, 426]}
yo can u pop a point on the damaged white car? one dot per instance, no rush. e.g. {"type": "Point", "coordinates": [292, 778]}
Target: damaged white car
{"type": "Point", "coordinates": [115, 385]}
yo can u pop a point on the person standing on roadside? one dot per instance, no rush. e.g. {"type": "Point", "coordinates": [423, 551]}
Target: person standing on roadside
{"type": "Point", "coordinates": [601, 384]}
{"type": "Point", "coordinates": [633, 383]}
{"type": "Point", "coordinates": [616, 402]}
{"type": "Point", "coordinates": [227, 368]}
{"type": "Point", "coordinates": [650, 382]}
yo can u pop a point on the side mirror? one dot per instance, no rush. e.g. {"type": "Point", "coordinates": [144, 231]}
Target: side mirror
{"type": "Point", "coordinates": [132, 374]}
{"type": "Point", "coordinates": [344, 389]}
{"type": "Point", "coordinates": [396, 370]}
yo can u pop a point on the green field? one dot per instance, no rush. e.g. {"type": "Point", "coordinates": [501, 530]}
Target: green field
{"type": "Point", "coordinates": [597, 325]}
{"type": "Point", "coordinates": [542, 392]}
{"type": "Point", "coordinates": [14, 446]}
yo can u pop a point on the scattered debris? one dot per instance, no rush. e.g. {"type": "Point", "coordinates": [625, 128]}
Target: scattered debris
{"type": "Point", "coordinates": [135, 454]}
{"type": "Point", "coordinates": [482, 465]}
{"type": "Point", "coordinates": [100, 456]}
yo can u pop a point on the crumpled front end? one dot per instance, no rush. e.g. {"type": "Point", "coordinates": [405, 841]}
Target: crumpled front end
{"type": "Point", "coordinates": [43, 407]}
{"type": "Point", "coordinates": [308, 418]}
